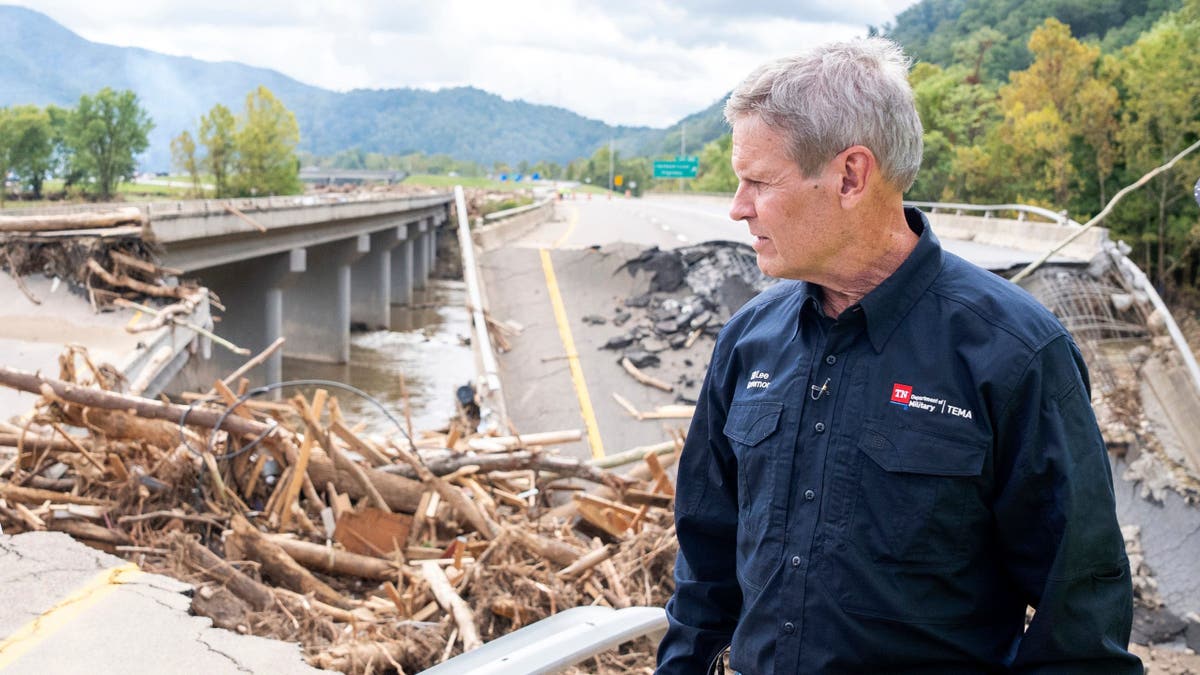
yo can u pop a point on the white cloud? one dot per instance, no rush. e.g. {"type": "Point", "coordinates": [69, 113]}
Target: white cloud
{"type": "Point", "coordinates": [639, 62]}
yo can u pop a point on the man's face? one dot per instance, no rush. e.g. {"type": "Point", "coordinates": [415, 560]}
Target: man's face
{"type": "Point", "coordinates": [794, 220]}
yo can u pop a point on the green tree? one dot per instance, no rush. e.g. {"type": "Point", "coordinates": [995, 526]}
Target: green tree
{"type": "Point", "coordinates": [27, 146]}
{"type": "Point", "coordinates": [1060, 115]}
{"type": "Point", "coordinates": [7, 150]}
{"type": "Point", "coordinates": [266, 147]}
{"type": "Point", "coordinates": [217, 131]}
{"type": "Point", "coordinates": [183, 157]}
{"type": "Point", "coordinates": [63, 161]}
{"type": "Point", "coordinates": [1162, 116]}
{"type": "Point", "coordinates": [957, 114]}
{"type": "Point", "coordinates": [716, 167]}
{"type": "Point", "coordinates": [105, 133]}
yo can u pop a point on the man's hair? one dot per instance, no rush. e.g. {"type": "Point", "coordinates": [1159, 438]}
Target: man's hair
{"type": "Point", "coordinates": [834, 96]}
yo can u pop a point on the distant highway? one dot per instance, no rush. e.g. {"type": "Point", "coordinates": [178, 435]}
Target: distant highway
{"type": "Point", "coordinates": [663, 221]}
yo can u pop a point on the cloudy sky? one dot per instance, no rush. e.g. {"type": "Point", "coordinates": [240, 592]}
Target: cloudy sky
{"type": "Point", "coordinates": [639, 62]}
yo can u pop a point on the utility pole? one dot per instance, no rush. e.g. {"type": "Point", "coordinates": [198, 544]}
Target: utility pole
{"type": "Point", "coordinates": [610, 166]}
{"type": "Point", "coordinates": [682, 146]}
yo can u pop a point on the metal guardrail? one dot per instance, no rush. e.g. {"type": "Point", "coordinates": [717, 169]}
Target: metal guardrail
{"type": "Point", "coordinates": [491, 371]}
{"type": "Point", "coordinates": [1129, 269]}
{"type": "Point", "coordinates": [516, 211]}
{"type": "Point", "coordinates": [556, 642]}
{"type": "Point", "coordinates": [989, 209]}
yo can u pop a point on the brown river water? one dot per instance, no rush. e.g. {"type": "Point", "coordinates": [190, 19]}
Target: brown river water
{"type": "Point", "coordinates": [428, 345]}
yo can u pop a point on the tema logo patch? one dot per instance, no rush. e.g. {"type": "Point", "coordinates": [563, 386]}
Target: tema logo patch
{"type": "Point", "coordinates": [901, 394]}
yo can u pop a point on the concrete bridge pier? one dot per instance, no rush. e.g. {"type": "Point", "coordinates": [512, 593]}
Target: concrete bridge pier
{"type": "Point", "coordinates": [316, 309]}
{"type": "Point", "coordinates": [402, 270]}
{"type": "Point", "coordinates": [421, 239]}
{"type": "Point", "coordinates": [433, 244]}
{"type": "Point", "coordinates": [252, 292]}
{"type": "Point", "coordinates": [372, 280]}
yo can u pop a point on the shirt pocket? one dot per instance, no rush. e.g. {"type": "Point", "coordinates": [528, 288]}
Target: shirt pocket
{"type": "Point", "coordinates": [916, 489]}
{"type": "Point", "coordinates": [753, 432]}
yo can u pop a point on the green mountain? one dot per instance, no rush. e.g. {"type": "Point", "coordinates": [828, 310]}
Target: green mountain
{"type": "Point", "coordinates": [940, 31]}
{"type": "Point", "coordinates": [41, 62]}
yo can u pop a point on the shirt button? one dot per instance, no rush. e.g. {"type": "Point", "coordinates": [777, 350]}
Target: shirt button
{"type": "Point", "coordinates": [831, 359]}
{"type": "Point", "coordinates": [809, 495]}
{"type": "Point", "coordinates": [789, 628]}
{"type": "Point", "coordinates": [795, 561]}
{"type": "Point", "coordinates": [819, 427]}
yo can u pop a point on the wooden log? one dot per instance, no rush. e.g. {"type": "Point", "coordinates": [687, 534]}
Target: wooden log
{"type": "Point", "coordinates": [400, 493]}
{"type": "Point", "coordinates": [280, 566]}
{"type": "Point", "coordinates": [450, 601]}
{"type": "Point", "coordinates": [587, 562]}
{"type": "Point", "coordinates": [26, 495]}
{"type": "Point", "coordinates": [557, 552]}
{"type": "Point", "coordinates": [662, 482]}
{"type": "Point", "coordinates": [465, 508]}
{"type": "Point", "coordinates": [257, 595]}
{"type": "Point", "coordinates": [333, 561]}
{"type": "Point", "coordinates": [142, 265]}
{"type": "Point", "coordinates": [249, 365]}
{"type": "Point", "coordinates": [292, 489]}
{"type": "Point", "coordinates": [644, 497]}
{"type": "Point", "coordinates": [634, 455]}
{"type": "Point", "coordinates": [644, 378]}
{"type": "Point", "coordinates": [237, 212]}
{"type": "Point", "coordinates": [81, 529]}
{"type": "Point", "coordinates": [73, 221]}
{"type": "Point", "coordinates": [359, 445]}
{"type": "Point", "coordinates": [310, 416]}
{"type": "Point", "coordinates": [445, 463]}
{"type": "Point", "coordinates": [503, 443]}
{"type": "Point", "coordinates": [123, 281]}
{"type": "Point", "coordinates": [37, 443]}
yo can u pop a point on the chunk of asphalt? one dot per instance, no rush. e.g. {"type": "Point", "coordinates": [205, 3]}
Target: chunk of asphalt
{"type": "Point", "coordinates": [641, 358]}
{"type": "Point", "coordinates": [618, 342]}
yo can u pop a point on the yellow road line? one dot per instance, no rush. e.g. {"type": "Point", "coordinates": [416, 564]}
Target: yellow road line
{"type": "Point", "coordinates": [564, 333]}
{"type": "Point", "coordinates": [572, 221]}
{"type": "Point", "coordinates": [53, 619]}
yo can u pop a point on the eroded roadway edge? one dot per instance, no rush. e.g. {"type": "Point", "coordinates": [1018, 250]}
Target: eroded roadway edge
{"type": "Point", "coordinates": [68, 608]}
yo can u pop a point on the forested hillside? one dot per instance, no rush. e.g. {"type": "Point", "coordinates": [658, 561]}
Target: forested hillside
{"type": "Point", "coordinates": [1057, 103]}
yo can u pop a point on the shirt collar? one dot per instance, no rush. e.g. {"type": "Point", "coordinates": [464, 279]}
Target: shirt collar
{"type": "Point", "coordinates": [889, 302]}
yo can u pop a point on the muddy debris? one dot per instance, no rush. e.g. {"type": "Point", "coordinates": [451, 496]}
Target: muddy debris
{"type": "Point", "coordinates": [376, 554]}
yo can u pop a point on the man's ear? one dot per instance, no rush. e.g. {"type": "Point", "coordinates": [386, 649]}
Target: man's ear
{"type": "Point", "coordinates": [857, 165]}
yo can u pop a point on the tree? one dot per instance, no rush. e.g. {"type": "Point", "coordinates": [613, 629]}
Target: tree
{"type": "Point", "coordinates": [62, 159]}
{"type": "Point", "coordinates": [266, 147]}
{"type": "Point", "coordinates": [217, 131]}
{"type": "Point", "coordinates": [716, 167]}
{"type": "Point", "coordinates": [183, 157]}
{"type": "Point", "coordinates": [1162, 116]}
{"type": "Point", "coordinates": [7, 147]}
{"type": "Point", "coordinates": [1060, 114]}
{"type": "Point", "coordinates": [957, 114]}
{"type": "Point", "coordinates": [105, 132]}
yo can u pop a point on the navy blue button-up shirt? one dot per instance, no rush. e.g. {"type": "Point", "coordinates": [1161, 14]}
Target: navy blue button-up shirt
{"type": "Point", "coordinates": [886, 492]}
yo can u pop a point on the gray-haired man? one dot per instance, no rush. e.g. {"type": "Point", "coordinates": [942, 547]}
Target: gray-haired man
{"type": "Point", "coordinates": [895, 453]}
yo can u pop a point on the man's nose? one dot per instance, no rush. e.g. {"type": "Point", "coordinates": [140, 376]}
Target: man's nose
{"type": "Point", "coordinates": [742, 206]}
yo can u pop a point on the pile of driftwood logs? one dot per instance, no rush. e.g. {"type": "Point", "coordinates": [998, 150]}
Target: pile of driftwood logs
{"type": "Point", "coordinates": [376, 554]}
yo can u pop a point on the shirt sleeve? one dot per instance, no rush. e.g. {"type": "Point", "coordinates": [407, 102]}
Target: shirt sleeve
{"type": "Point", "coordinates": [703, 612]}
{"type": "Point", "coordinates": [1056, 518]}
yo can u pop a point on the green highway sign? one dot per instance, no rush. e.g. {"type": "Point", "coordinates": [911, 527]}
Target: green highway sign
{"type": "Point", "coordinates": [682, 167]}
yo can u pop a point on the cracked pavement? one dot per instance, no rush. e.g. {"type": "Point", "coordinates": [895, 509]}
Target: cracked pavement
{"type": "Point", "coordinates": [131, 624]}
